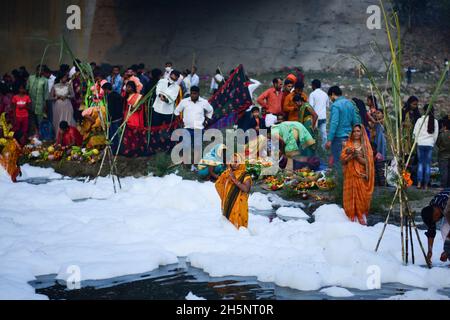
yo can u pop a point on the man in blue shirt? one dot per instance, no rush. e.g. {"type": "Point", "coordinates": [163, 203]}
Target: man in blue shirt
{"type": "Point", "coordinates": [343, 118]}
{"type": "Point", "coordinates": [116, 80]}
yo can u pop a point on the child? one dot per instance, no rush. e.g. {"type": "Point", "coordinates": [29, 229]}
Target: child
{"type": "Point", "coordinates": [443, 144]}
{"type": "Point", "coordinates": [21, 105]}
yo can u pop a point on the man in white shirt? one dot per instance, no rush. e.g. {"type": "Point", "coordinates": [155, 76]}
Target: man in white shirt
{"type": "Point", "coordinates": [217, 81]}
{"type": "Point", "coordinates": [194, 78]}
{"type": "Point", "coordinates": [320, 102]}
{"type": "Point", "coordinates": [167, 92]}
{"type": "Point", "coordinates": [168, 70]}
{"type": "Point", "coordinates": [195, 112]}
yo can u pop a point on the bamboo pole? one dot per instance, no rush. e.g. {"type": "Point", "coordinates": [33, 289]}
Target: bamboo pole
{"type": "Point", "coordinates": [412, 243]}
{"type": "Point", "coordinates": [401, 227]}
{"type": "Point", "coordinates": [407, 237]}
{"type": "Point", "coordinates": [418, 235]}
{"type": "Point", "coordinates": [387, 219]}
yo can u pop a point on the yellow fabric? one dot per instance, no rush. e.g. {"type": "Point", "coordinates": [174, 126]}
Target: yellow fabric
{"type": "Point", "coordinates": [9, 158]}
{"type": "Point", "coordinates": [239, 212]}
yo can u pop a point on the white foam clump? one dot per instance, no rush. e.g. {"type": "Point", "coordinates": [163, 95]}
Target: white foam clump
{"type": "Point", "coordinates": [336, 292]}
{"type": "Point", "coordinates": [260, 201]}
{"type": "Point", "coordinates": [430, 294]}
{"type": "Point", "coordinates": [292, 213]}
{"type": "Point", "coordinates": [193, 297]}
{"type": "Point", "coordinates": [153, 221]}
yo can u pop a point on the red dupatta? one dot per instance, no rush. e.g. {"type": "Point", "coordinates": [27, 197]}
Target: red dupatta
{"type": "Point", "coordinates": [136, 120]}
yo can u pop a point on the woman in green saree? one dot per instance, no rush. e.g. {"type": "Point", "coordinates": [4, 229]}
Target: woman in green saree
{"type": "Point", "coordinates": [297, 138]}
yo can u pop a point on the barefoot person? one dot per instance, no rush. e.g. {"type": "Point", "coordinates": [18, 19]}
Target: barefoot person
{"type": "Point", "coordinates": [437, 215]}
{"type": "Point", "coordinates": [359, 175]}
{"type": "Point", "coordinates": [233, 187]}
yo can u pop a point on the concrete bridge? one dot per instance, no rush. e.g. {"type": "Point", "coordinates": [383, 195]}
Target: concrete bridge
{"type": "Point", "coordinates": [264, 35]}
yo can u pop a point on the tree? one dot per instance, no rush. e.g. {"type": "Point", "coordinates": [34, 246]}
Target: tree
{"type": "Point", "coordinates": [412, 10]}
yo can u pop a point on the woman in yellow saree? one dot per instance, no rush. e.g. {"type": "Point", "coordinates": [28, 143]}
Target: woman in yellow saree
{"type": "Point", "coordinates": [233, 187]}
{"type": "Point", "coordinates": [359, 175]}
{"type": "Point", "coordinates": [10, 150]}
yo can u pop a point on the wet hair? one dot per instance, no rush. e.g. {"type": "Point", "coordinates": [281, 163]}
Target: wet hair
{"type": "Point", "coordinates": [335, 90]}
{"type": "Point", "coordinates": [374, 101]}
{"type": "Point", "coordinates": [64, 125]}
{"type": "Point", "coordinates": [107, 86]}
{"type": "Point", "coordinates": [431, 125]}
{"type": "Point", "coordinates": [316, 84]}
{"type": "Point", "coordinates": [300, 85]}
{"type": "Point", "coordinates": [132, 85]}
{"type": "Point", "coordinates": [195, 89]}
{"type": "Point", "coordinates": [427, 216]}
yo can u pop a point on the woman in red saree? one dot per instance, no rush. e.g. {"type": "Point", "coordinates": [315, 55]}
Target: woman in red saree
{"type": "Point", "coordinates": [359, 175]}
{"type": "Point", "coordinates": [135, 137]}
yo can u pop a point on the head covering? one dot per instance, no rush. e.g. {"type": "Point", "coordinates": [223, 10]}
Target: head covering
{"type": "Point", "coordinates": [292, 77]}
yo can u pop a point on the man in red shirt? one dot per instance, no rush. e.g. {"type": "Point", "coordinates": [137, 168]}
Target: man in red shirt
{"type": "Point", "coordinates": [271, 99]}
{"type": "Point", "coordinates": [21, 104]}
{"type": "Point", "coordinates": [68, 136]}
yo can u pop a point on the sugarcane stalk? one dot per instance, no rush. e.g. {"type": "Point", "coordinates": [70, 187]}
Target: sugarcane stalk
{"type": "Point", "coordinates": [407, 237]}
{"type": "Point", "coordinates": [401, 227]}
{"type": "Point", "coordinates": [418, 236]}
{"type": "Point", "coordinates": [412, 243]}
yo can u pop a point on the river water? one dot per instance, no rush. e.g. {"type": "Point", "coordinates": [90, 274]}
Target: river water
{"type": "Point", "coordinates": [175, 282]}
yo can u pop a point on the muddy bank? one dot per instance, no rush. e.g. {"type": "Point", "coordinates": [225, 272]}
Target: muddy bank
{"type": "Point", "coordinates": [126, 167]}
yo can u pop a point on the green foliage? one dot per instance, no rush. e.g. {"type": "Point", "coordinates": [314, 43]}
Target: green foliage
{"type": "Point", "coordinates": [160, 164]}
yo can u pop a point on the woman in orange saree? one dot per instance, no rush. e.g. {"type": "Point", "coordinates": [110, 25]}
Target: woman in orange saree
{"type": "Point", "coordinates": [359, 175]}
{"type": "Point", "coordinates": [233, 187]}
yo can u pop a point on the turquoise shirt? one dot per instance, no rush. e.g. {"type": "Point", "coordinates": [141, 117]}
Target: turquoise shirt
{"type": "Point", "coordinates": [343, 118]}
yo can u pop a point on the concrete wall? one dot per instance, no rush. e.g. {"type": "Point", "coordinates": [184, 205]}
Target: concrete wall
{"type": "Point", "coordinates": [27, 27]}
{"type": "Point", "coordinates": [263, 35]}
